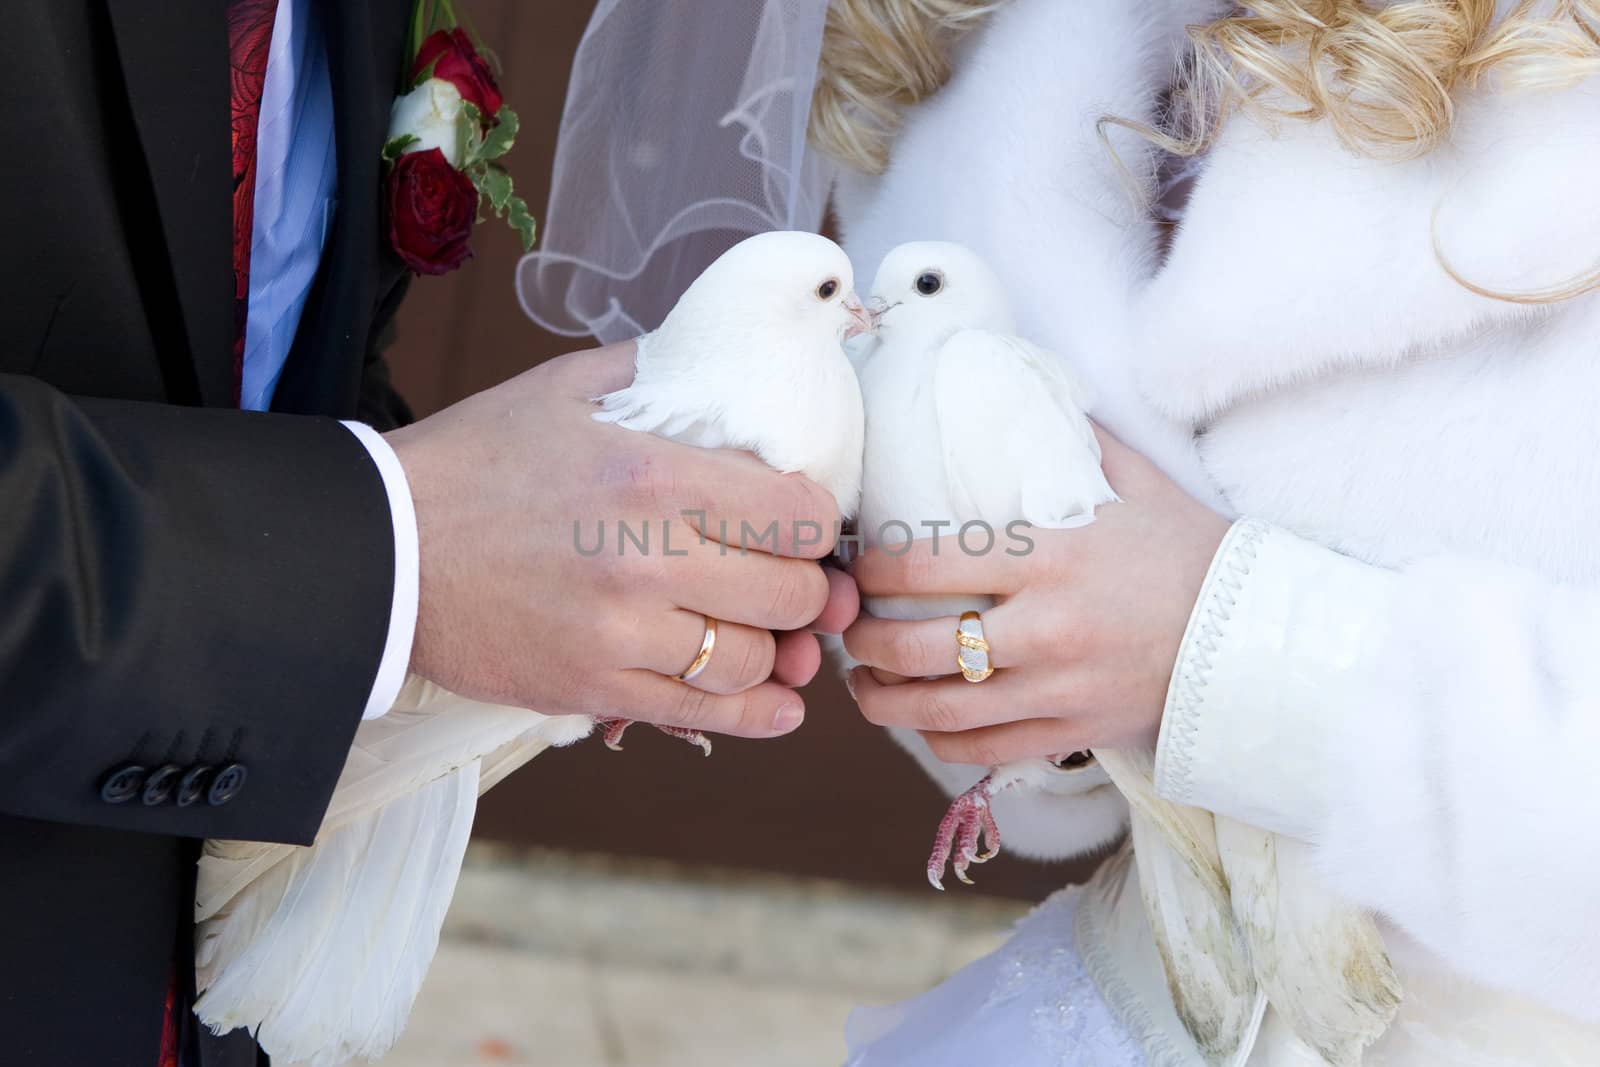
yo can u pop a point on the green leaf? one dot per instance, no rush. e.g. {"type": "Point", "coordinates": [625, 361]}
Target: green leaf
{"type": "Point", "coordinates": [495, 183]}
{"type": "Point", "coordinates": [502, 136]}
{"type": "Point", "coordinates": [396, 147]}
{"type": "Point", "coordinates": [469, 131]}
{"type": "Point", "coordinates": [418, 14]}
{"type": "Point", "coordinates": [521, 221]}
{"type": "Point", "coordinates": [469, 136]}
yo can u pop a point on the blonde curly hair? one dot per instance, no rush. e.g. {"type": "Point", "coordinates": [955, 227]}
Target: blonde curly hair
{"type": "Point", "coordinates": [877, 57]}
{"type": "Point", "coordinates": [1381, 75]}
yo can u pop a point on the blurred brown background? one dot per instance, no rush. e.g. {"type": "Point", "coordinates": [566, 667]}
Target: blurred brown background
{"type": "Point", "coordinates": [838, 799]}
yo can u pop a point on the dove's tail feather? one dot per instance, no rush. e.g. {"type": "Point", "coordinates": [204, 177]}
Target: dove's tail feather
{"type": "Point", "coordinates": [323, 949]}
{"type": "Point", "coordinates": [1321, 962]}
{"type": "Point", "coordinates": [1202, 949]}
{"type": "Point", "coordinates": [332, 972]}
{"type": "Point", "coordinates": [429, 732]}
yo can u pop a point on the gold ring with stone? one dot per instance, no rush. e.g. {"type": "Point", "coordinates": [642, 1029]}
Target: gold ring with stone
{"type": "Point", "coordinates": [972, 651]}
{"type": "Point", "coordinates": [708, 644]}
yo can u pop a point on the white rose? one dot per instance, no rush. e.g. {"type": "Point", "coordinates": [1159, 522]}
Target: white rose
{"type": "Point", "coordinates": [432, 114]}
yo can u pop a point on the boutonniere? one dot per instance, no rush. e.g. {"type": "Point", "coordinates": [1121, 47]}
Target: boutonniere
{"type": "Point", "coordinates": [446, 137]}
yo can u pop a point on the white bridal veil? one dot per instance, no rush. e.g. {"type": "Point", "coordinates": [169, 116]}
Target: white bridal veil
{"type": "Point", "coordinates": [684, 131]}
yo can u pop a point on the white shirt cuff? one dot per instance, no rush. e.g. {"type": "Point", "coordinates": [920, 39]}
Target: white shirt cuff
{"type": "Point", "coordinates": [1280, 641]}
{"type": "Point", "coordinates": [403, 607]}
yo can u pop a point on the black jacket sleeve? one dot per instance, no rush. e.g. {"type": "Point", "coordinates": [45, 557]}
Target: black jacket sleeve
{"type": "Point", "coordinates": [193, 605]}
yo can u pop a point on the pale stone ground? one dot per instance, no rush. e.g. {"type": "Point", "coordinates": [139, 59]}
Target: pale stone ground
{"type": "Point", "coordinates": [552, 960]}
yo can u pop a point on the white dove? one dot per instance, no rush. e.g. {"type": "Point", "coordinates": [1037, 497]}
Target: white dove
{"type": "Point", "coordinates": [321, 950]}
{"type": "Point", "coordinates": [966, 422]}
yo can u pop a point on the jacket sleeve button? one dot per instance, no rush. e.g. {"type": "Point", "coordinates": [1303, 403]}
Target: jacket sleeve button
{"type": "Point", "coordinates": [158, 787]}
{"type": "Point", "coordinates": [122, 784]}
{"type": "Point", "coordinates": [192, 786]}
{"type": "Point", "coordinates": [226, 785]}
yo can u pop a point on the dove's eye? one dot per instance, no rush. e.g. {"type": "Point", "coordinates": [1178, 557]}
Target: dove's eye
{"type": "Point", "coordinates": [827, 289]}
{"type": "Point", "coordinates": [929, 282]}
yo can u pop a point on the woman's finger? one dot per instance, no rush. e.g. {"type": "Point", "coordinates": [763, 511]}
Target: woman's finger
{"type": "Point", "coordinates": [989, 746]}
{"type": "Point", "coordinates": [926, 648]}
{"type": "Point", "coordinates": [799, 658]}
{"type": "Point", "coordinates": [948, 705]}
{"type": "Point", "coordinates": [926, 567]}
{"type": "Point", "coordinates": [844, 603]}
{"type": "Point", "coordinates": [741, 656]}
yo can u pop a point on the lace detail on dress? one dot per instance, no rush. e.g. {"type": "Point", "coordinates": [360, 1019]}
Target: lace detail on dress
{"type": "Point", "coordinates": [1071, 1024]}
{"type": "Point", "coordinates": [1031, 1004]}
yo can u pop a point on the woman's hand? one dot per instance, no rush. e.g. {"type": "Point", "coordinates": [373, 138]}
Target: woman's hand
{"type": "Point", "coordinates": [1083, 638]}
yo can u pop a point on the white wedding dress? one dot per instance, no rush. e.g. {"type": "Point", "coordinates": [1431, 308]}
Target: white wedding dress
{"type": "Point", "coordinates": [1030, 1004]}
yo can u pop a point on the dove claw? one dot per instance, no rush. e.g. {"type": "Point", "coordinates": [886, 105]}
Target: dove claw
{"type": "Point", "coordinates": [611, 731]}
{"type": "Point", "coordinates": [967, 820]}
{"type": "Point", "coordinates": [694, 737]}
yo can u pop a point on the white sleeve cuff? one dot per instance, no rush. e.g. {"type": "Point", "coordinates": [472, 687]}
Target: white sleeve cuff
{"type": "Point", "coordinates": [403, 607]}
{"type": "Point", "coordinates": [1279, 644]}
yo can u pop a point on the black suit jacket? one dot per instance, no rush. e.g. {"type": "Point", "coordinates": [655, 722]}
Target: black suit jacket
{"type": "Point", "coordinates": [183, 586]}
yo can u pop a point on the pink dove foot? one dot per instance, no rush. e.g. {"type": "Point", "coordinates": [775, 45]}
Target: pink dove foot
{"type": "Point", "coordinates": [969, 815]}
{"type": "Point", "coordinates": [611, 731]}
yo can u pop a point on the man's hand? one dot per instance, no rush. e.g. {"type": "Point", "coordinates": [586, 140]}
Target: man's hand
{"type": "Point", "coordinates": [567, 565]}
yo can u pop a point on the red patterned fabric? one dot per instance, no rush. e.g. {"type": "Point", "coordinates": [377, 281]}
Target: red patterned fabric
{"type": "Point", "coordinates": [249, 35]}
{"type": "Point", "coordinates": [169, 1024]}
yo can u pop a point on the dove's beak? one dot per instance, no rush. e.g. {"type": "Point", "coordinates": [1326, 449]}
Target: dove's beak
{"type": "Point", "coordinates": [861, 320]}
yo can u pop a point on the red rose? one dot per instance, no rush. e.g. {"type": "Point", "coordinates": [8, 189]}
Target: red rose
{"type": "Point", "coordinates": [460, 64]}
{"type": "Point", "coordinates": [432, 209]}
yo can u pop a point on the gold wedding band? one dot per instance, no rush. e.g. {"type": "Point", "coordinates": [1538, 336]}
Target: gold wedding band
{"type": "Point", "coordinates": [708, 644]}
{"type": "Point", "coordinates": [972, 651]}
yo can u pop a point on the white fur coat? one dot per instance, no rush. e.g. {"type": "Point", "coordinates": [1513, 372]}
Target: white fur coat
{"type": "Point", "coordinates": [1302, 357]}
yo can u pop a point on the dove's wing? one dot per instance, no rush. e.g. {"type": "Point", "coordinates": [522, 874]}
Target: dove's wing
{"type": "Point", "coordinates": [1203, 949]}
{"type": "Point", "coordinates": [1013, 434]}
{"type": "Point", "coordinates": [1321, 962]}
{"type": "Point", "coordinates": [321, 950]}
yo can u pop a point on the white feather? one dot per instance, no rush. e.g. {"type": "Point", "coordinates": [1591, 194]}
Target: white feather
{"type": "Point", "coordinates": [366, 901]}
{"type": "Point", "coordinates": [1203, 950]}
{"type": "Point", "coordinates": [1320, 962]}
{"type": "Point", "coordinates": [369, 902]}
